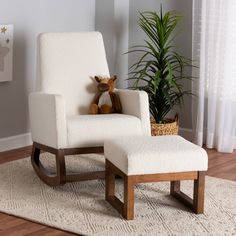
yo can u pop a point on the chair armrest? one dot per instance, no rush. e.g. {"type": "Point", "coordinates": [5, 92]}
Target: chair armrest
{"type": "Point", "coordinates": [136, 103]}
{"type": "Point", "coordinates": [48, 119]}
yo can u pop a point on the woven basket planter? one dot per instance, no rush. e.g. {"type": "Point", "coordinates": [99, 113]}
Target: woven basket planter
{"type": "Point", "coordinates": [170, 127]}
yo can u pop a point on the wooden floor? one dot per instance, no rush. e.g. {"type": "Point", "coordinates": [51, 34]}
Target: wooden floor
{"type": "Point", "coordinates": [220, 165]}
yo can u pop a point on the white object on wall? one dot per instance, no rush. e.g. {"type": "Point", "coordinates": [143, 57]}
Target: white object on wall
{"type": "Point", "coordinates": [6, 52]}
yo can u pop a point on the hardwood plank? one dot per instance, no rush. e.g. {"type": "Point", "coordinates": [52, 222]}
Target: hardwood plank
{"type": "Point", "coordinates": [11, 225]}
{"type": "Point", "coordinates": [221, 165]}
{"type": "Point", "coordinates": [15, 154]}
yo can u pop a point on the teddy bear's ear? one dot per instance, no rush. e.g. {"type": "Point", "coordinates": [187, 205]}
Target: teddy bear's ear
{"type": "Point", "coordinates": [114, 77]}
{"type": "Point", "coordinates": [97, 78]}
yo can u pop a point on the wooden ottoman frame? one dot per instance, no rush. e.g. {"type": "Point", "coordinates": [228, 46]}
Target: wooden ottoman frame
{"type": "Point", "coordinates": [126, 209]}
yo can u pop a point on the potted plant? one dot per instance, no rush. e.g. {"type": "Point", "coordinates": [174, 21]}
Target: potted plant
{"type": "Point", "coordinates": [160, 69]}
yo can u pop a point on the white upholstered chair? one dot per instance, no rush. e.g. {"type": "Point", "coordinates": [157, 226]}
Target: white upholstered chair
{"type": "Point", "coordinates": [59, 110]}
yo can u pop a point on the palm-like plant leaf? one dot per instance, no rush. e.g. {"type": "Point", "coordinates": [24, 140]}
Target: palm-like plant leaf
{"type": "Point", "coordinates": [160, 69]}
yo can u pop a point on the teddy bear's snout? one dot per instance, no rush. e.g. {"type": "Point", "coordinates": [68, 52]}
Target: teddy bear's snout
{"type": "Point", "coordinates": [102, 87]}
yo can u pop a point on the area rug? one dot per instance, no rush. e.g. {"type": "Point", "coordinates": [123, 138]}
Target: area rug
{"type": "Point", "coordinates": [80, 207]}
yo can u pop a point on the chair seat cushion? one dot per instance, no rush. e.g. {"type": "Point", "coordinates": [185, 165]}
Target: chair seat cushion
{"type": "Point", "coordinates": [92, 130]}
{"type": "Point", "coordinates": [153, 155]}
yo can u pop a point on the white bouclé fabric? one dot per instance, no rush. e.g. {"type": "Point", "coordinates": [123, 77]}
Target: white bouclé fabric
{"type": "Point", "coordinates": [48, 119]}
{"type": "Point", "coordinates": [67, 64]}
{"type": "Point", "coordinates": [152, 155]}
{"type": "Point", "coordinates": [135, 103]}
{"type": "Point", "coordinates": [92, 130]}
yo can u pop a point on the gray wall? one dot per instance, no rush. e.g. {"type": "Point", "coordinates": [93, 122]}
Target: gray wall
{"type": "Point", "coordinates": [31, 17]}
{"type": "Point", "coordinates": [104, 23]}
{"type": "Point", "coordinates": [112, 20]}
{"type": "Point", "coordinates": [183, 42]}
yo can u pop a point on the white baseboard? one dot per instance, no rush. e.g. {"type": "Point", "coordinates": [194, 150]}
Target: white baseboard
{"type": "Point", "coordinates": [14, 142]}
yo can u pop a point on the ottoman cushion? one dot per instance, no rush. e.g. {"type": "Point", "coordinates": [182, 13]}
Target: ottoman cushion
{"type": "Point", "coordinates": [151, 155]}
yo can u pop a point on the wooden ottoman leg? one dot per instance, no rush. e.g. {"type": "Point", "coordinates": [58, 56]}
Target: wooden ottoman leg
{"type": "Point", "coordinates": [111, 172]}
{"type": "Point", "coordinates": [109, 182]}
{"type": "Point", "coordinates": [179, 195]}
{"type": "Point", "coordinates": [110, 187]}
{"type": "Point", "coordinates": [174, 187]}
{"type": "Point", "coordinates": [198, 193]}
{"type": "Point", "coordinates": [197, 203]}
{"type": "Point", "coordinates": [128, 210]}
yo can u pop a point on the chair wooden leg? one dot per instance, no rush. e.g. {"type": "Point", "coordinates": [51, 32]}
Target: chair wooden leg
{"type": "Point", "coordinates": [35, 154]}
{"type": "Point", "coordinates": [47, 177]}
{"type": "Point", "coordinates": [61, 177]}
{"type": "Point", "coordinates": [197, 203]}
{"type": "Point", "coordinates": [128, 210]}
{"type": "Point", "coordinates": [61, 167]}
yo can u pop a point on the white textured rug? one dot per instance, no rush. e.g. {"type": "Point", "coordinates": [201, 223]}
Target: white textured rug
{"type": "Point", "coordinates": [81, 208]}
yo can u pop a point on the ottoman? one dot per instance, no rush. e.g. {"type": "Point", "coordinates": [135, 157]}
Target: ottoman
{"type": "Point", "coordinates": [143, 159]}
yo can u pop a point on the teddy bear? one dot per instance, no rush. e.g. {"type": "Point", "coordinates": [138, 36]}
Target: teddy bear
{"type": "Point", "coordinates": [106, 100]}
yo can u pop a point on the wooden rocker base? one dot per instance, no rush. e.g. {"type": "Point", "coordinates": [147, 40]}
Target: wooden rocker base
{"type": "Point", "coordinates": [61, 177]}
{"type": "Point", "coordinates": [126, 208]}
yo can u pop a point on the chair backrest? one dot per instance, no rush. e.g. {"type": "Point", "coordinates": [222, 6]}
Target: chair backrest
{"type": "Point", "coordinates": [67, 62]}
